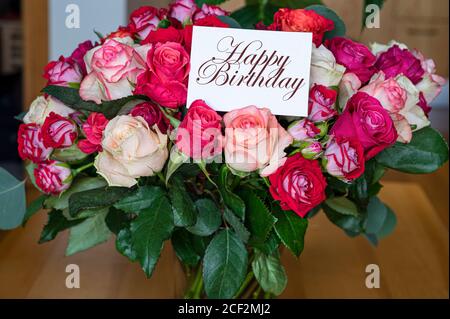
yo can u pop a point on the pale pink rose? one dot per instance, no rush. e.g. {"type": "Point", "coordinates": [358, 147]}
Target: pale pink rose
{"type": "Point", "coordinates": [349, 85]}
{"type": "Point", "coordinates": [431, 84]}
{"type": "Point", "coordinates": [208, 10]}
{"type": "Point", "coordinates": [41, 108]}
{"type": "Point", "coordinates": [131, 149]}
{"type": "Point", "coordinates": [113, 69]}
{"type": "Point", "coordinates": [254, 141]}
{"type": "Point", "coordinates": [63, 72]}
{"type": "Point", "coordinates": [391, 95]}
{"type": "Point", "coordinates": [403, 128]}
{"type": "Point", "coordinates": [182, 10]}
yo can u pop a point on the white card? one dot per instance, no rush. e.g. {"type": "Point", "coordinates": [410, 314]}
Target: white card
{"type": "Point", "coordinates": [234, 68]}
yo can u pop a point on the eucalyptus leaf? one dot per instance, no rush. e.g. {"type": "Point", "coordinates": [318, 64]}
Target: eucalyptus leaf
{"type": "Point", "coordinates": [343, 206]}
{"type": "Point", "coordinates": [12, 201]}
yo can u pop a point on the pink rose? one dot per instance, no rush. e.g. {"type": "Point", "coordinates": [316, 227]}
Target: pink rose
{"type": "Point", "coordinates": [424, 104]}
{"type": "Point", "coordinates": [53, 177]}
{"type": "Point", "coordinates": [322, 101]}
{"type": "Point", "coordinates": [366, 120]}
{"type": "Point", "coordinates": [58, 131]}
{"type": "Point", "coordinates": [113, 69]}
{"type": "Point", "coordinates": [63, 72]}
{"type": "Point", "coordinates": [79, 53]}
{"type": "Point", "coordinates": [172, 94]}
{"type": "Point", "coordinates": [93, 130]}
{"type": "Point", "coordinates": [199, 135]}
{"type": "Point", "coordinates": [303, 130]}
{"type": "Point", "coordinates": [254, 141]}
{"type": "Point", "coordinates": [431, 85]}
{"type": "Point", "coordinates": [344, 158]}
{"type": "Point", "coordinates": [208, 10]}
{"type": "Point", "coordinates": [152, 114]}
{"type": "Point", "coordinates": [31, 143]}
{"type": "Point", "coordinates": [396, 61]}
{"type": "Point", "coordinates": [349, 85]}
{"type": "Point", "coordinates": [356, 57]}
{"type": "Point", "coordinates": [144, 20]}
{"type": "Point", "coordinates": [182, 10]}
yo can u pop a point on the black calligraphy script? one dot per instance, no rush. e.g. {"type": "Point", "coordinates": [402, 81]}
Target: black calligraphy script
{"type": "Point", "coordinates": [241, 63]}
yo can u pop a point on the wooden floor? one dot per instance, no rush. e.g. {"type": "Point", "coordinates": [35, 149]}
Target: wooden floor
{"type": "Point", "coordinates": [413, 261]}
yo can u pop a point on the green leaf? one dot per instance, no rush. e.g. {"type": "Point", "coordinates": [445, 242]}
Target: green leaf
{"type": "Point", "coordinates": [79, 185]}
{"type": "Point", "coordinates": [70, 155]}
{"type": "Point", "coordinates": [224, 265]}
{"type": "Point", "coordinates": [237, 225]}
{"type": "Point", "coordinates": [34, 207]}
{"type": "Point", "coordinates": [184, 213]}
{"type": "Point", "coordinates": [270, 245]}
{"type": "Point", "coordinates": [389, 224]}
{"type": "Point", "coordinates": [149, 230]}
{"type": "Point", "coordinates": [231, 200]}
{"type": "Point", "coordinates": [295, 4]}
{"type": "Point", "coordinates": [71, 97]}
{"type": "Point", "coordinates": [116, 220]}
{"type": "Point", "coordinates": [250, 15]}
{"type": "Point", "coordinates": [348, 223]}
{"type": "Point", "coordinates": [30, 172]}
{"type": "Point", "coordinates": [176, 160]}
{"type": "Point", "coordinates": [56, 223]}
{"type": "Point", "coordinates": [208, 218]}
{"type": "Point", "coordinates": [230, 21]}
{"type": "Point", "coordinates": [291, 229]}
{"type": "Point", "coordinates": [200, 3]}
{"type": "Point", "coordinates": [96, 198]}
{"type": "Point", "coordinates": [184, 246]}
{"type": "Point", "coordinates": [91, 232]}
{"type": "Point", "coordinates": [343, 206]}
{"type": "Point", "coordinates": [123, 244]}
{"type": "Point", "coordinates": [379, 3]}
{"type": "Point", "coordinates": [259, 220]}
{"type": "Point", "coordinates": [139, 199]}
{"type": "Point", "coordinates": [426, 153]}
{"type": "Point", "coordinates": [376, 216]}
{"type": "Point", "coordinates": [339, 25]}
{"type": "Point", "coordinates": [12, 201]}
{"type": "Point", "coordinates": [270, 273]}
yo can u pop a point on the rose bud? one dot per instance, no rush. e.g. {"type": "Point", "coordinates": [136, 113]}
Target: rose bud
{"type": "Point", "coordinates": [344, 158]}
{"type": "Point", "coordinates": [299, 185]}
{"type": "Point", "coordinates": [152, 114]}
{"type": "Point", "coordinates": [322, 103]}
{"type": "Point", "coordinates": [323, 127]}
{"type": "Point", "coordinates": [303, 130]}
{"type": "Point", "coordinates": [31, 144]}
{"type": "Point", "coordinates": [58, 131]}
{"type": "Point", "coordinates": [53, 177]}
{"type": "Point", "coordinates": [93, 130]}
{"type": "Point", "coordinates": [199, 135]}
{"type": "Point", "coordinates": [312, 150]}
{"type": "Point", "coordinates": [63, 72]}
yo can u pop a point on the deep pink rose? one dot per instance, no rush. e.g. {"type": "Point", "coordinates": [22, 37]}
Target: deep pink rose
{"type": "Point", "coordinates": [322, 101]}
{"type": "Point", "coordinates": [303, 130]}
{"type": "Point", "coordinates": [144, 20]}
{"type": "Point", "coordinates": [58, 131]}
{"type": "Point", "coordinates": [31, 143]}
{"type": "Point", "coordinates": [63, 72]}
{"type": "Point", "coordinates": [199, 135]}
{"type": "Point", "coordinates": [172, 94]}
{"type": "Point", "coordinates": [93, 130]}
{"type": "Point", "coordinates": [79, 53]}
{"type": "Point", "coordinates": [356, 57]}
{"type": "Point", "coordinates": [169, 61]}
{"type": "Point", "coordinates": [53, 177]}
{"type": "Point", "coordinates": [152, 114]}
{"type": "Point", "coordinates": [345, 158]}
{"type": "Point", "coordinates": [169, 34]}
{"type": "Point", "coordinates": [366, 120]}
{"type": "Point", "coordinates": [299, 185]}
{"type": "Point", "coordinates": [182, 10]}
{"type": "Point", "coordinates": [396, 61]}
{"type": "Point", "coordinates": [207, 10]}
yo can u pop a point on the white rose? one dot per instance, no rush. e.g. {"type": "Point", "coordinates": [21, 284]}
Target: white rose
{"type": "Point", "coordinates": [324, 68]}
{"type": "Point", "coordinates": [41, 107]}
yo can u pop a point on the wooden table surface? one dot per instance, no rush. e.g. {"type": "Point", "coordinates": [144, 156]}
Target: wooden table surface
{"type": "Point", "coordinates": [413, 261]}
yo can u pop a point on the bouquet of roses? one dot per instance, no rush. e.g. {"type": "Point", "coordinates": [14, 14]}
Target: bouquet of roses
{"type": "Point", "coordinates": [115, 152]}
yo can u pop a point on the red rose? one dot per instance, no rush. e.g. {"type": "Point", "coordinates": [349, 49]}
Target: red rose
{"type": "Point", "coordinates": [53, 177]}
{"type": "Point", "coordinates": [93, 130]}
{"type": "Point", "coordinates": [63, 72]}
{"type": "Point", "coordinates": [299, 185]}
{"type": "Point", "coordinates": [322, 101]}
{"type": "Point", "coordinates": [209, 21]}
{"type": "Point", "coordinates": [366, 120]}
{"type": "Point", "coordinates": [301, 20]}
{"type": "Point", "coordinates": [58, 131]}
{"type": "Point", "coordinates": [79, 53]}
{"type": "Point", "coordinates": [345, 158]}
{"type": "Point", "coordinates": [152, 114]}
{"type": "Point", "coordinates": [144, 20]}
{"type": "Point", "coordinates": [199, 135]}
{"type": "Point", "coordinates": [356, 57]}
{"type": "Point", "coordinates": [31, 144]}
{"type": "Point", "coordinates": [164, 35]}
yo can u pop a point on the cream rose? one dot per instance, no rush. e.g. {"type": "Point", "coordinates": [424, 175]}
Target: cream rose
{"type": "Point", "coordinates": [254, 141]}
{"type": "Point", "coordinates": [324, 68]}
{"type": "Point", "coordinates": [42, 107]}
{"type": "Point", "coordinates": [131, 149]}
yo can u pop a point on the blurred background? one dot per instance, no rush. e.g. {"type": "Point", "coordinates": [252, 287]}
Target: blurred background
{"type": "Point", "coordinates": [32, 32]}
